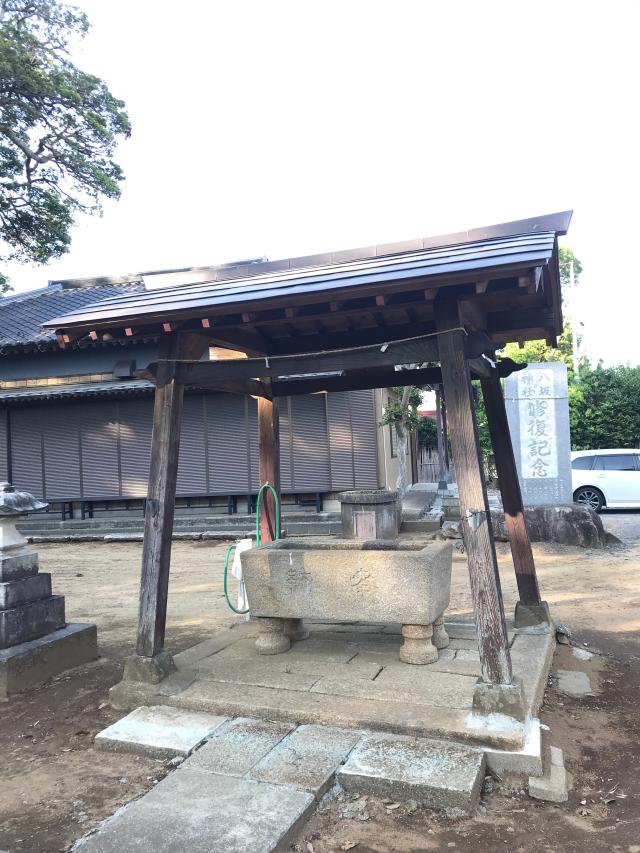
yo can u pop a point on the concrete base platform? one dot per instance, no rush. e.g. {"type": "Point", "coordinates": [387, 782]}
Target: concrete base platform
{"type": "Point", "coordinates": [35, 661]}
{"type": "Point", "coordinates": [349, 676]}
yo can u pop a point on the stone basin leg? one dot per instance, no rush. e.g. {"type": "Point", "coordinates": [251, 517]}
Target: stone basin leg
{"type": "Point", "coordinates": [417, 647]}
{"type": "Point", "coordinates": [440, 636]}
{"type": "Point", "coordinates": [272, 639]}
{"type": "Point", "coordinates": [295, 630]}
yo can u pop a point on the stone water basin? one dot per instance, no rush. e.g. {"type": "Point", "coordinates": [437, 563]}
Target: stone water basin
{"type": "Point", "coordinates": [346, 580]}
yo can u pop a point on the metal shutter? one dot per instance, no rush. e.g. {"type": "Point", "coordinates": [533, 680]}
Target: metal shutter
{"type": "Point", "coordinates": [226, 430]}
{"type": "Point", "coordinates": [4, 456]}
{"type": "Point", "coordinates": [310, 444]}
{"type": "Point", "coordinates": [61, 448]}
{"type": "Point", "coordinates": [99, 442]}
{"type": "Point", "coordinates": [26, 450]}
{"type": "Point", "coordinates": [340, 440]}
{"type": "Point", "coordinates": [136, 422]}
{"type": "Point", "coordinates": [192, 464]}
{"type": "Point", "coordinates": [363, 425]}
{"type": "Point", "coordinates": [286, 448]}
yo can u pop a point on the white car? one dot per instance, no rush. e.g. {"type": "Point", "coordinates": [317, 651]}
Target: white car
{"type": "Point", "coordinates": [608, 478]}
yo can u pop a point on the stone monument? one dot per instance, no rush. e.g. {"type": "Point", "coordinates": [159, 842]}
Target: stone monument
{"type": "Point", "coordinates": [537, 402]}
{"type": "Point", "coordinates": [35, 641]}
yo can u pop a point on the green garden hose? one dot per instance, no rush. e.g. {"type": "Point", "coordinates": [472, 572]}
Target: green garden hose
{"type": "Point", "coordinates": [258, 539]}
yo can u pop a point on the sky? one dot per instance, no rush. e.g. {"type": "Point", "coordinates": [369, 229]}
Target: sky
{"type": "Point", "coordinates": [286, 128]}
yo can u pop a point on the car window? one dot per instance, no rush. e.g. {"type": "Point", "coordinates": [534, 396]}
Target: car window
{"type": "Point", "coordinates": [582, 463]}
{"type": "Point", "coordinates": [615, 462]}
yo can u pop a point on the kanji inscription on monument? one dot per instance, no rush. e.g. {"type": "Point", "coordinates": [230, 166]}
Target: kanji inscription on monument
{"type": "Point", "coordinates": [538, 411]}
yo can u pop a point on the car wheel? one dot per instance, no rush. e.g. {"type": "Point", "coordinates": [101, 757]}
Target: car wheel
{"type": "Point", "coordinates": [589, 496]}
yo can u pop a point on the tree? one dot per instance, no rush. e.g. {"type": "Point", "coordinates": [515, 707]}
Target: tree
{"type": "Point", "coordinates": [58, 130]}
{"type": "Point", "coordinates": [401, 412]}
{"type": "Point", "coordinates": [427, 432]}
{"type": "Point", "coordinates": [605, 408]}
{"type": "Point", "coordinates": [541, 351]}
{"type": "Point", "coordinates": [566, 257]}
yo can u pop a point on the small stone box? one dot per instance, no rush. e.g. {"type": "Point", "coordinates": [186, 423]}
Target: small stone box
{"type": "Point", "coordinates": [350, 581]}
{"type": "Point", "coordinates": [370, 514]}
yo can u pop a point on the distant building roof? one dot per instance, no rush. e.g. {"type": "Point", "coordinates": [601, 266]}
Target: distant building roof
{"type": "Point", "coordinates": [133, 387]}
{"type": "Point", "coordinates": [22, 314]}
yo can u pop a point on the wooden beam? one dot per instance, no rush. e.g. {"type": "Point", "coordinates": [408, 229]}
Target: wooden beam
{"type": "Point", "coordinates": [480, 367]}
{"type": "Point", "coordinates": [160, 503]}
{"type": "Point", "coordinates": [358, 337]}
{"type": "Point", "coordinates": [495, 659]}
{"type": "Point", "coordinates": [200, 373]}
{"type": "Point", "coordinates": [521, 552]}
{"type": "Point", "coordinates": [269, 432]}
{"type": "Point", "coordinates": [354, 380]}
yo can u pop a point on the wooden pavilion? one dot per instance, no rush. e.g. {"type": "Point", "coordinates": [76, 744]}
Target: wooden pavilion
{"type": "Point", "coordinates": [437, 307]}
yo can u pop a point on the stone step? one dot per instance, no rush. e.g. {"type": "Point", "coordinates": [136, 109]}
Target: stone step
{"type": "Point", "coordinates": [40, 523]}
{"type": "Point", "coordinates": [435, 773]}
{"type": "Point", "coordinates": [30, 621]}
{"type": "Point", "coordinates": [159, 731]}
{"type": "Point", "coordinates": [135, 534]}
{"type": "Point", "coordinates": [13, 593]}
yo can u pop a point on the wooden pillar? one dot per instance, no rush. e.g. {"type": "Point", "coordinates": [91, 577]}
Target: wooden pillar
{"type": "Point", "coordinates": [495, 659]}
{"type": "Point", "coordinates": [269, 430]}
{"type": "Point", "coordinates": [523, 562]}
{"type": "Point", "coordinates": [160, 502]}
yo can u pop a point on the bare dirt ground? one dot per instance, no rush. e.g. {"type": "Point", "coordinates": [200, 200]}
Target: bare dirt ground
{"type": "Point", "coordinates": [54, 787]}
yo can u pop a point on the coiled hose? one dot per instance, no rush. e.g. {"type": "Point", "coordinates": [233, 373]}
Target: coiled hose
{"type": "Point", "coordinates": [276, 499]}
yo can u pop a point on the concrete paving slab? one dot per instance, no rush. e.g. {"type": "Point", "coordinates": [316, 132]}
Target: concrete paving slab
{"type": "Point", "coordinates": [468, 654]}
{"type": "Point", "coordinates": [445, 663]}
{"type": "Point", "coordinates": [238, 746]}
{"type": "Point", "coordinates": [470, 645]}
{"type": "Point", "coordinates": [215, 644]}
{"type": "Point", "coordinates": [159, 731]}
{"type": "Point", "coordinates": [260, 673]}
{"type": "Point", "coordinates": [438, 774]}
{"type": "Point", "coordinates": [574, 683]}
{"type": "Point", "coordinates": [307, 758]}
{"type": "Point", "coordinates": [434, 688]}
{"type": "Point", "coordinates": [257, 668]}
{"type": "Point", "coordinates": [198, 812]}
{"type": "Point", "coordinates": [320, 648]}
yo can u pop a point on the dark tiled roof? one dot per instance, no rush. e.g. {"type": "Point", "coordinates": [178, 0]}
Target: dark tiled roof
{"type": "Point", "coordinates": [135, 387]}
{"type": "Point", "coordinates": [22, 314]}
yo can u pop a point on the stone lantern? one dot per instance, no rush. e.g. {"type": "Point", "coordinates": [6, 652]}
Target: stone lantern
{"type": "Point", "coordinates": [35, 641]}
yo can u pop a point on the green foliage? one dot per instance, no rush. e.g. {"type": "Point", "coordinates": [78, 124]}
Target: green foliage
{"type": "Point", "coordinates": [481, 419]}
{"type": "Point", "coordinates": [58, 130]}
{"type": "Point", "coordinates": [605, 408]}
{"type": "Point", "coordinates": [541, 351]}
{"type": "Point", "coordinates": [565, 257]}
{"type": "Point", "coordinates": [427, 432]}
{"type": "Point", "coordinates": [394, 412]}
